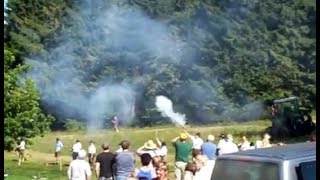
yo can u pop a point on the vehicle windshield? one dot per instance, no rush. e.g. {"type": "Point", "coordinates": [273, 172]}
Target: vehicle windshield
{"type": "Point", "coordinates": [248, 170]}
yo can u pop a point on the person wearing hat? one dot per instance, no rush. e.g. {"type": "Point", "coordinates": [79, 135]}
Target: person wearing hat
{"type": "Point", "coordinates": [105, 163]}
{"type": "Point", "coordinates": [229, 146]}
{"type": "Point", "coordinates": [92, 150]}
{"type": "Point", "coordinates": [79, 168]}
{"type": "Point", "coordinates": [182, 152]}
{"type": "Point", "coordinates": [76, 148]}
{"type": "Point", "coordinates": [151, 148]}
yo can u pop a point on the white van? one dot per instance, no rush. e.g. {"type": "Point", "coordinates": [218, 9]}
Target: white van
{"type": "Point", "coordinates": [288, 162]}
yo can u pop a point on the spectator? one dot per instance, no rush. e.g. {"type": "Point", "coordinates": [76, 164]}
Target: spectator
{"type": "Point", "coordinates": [182, 152]}
{"type": "Point", "coordinates": [92, 150]}
{"type": "Point", "coordinates": [196, 140]}
{"type": "Point", "coordinates": [105, 164]}
{"type": "Point", "coordinates": [221, 143]}
{"type": "Point", "coordinates": [145, 172]}
{"type": "Point", "coordinates": [57, 152]}
{"type": "Point", "coordinates": [162, 172]}
{"type": "Point", "coordinates": [79, 169]}
{"type": "Point", "coordinates": [245, 144]}
{"type": "Point", "coordinates": [209, 148]}
{"type": "Point", "coordinates": [76, 148]}
{"type": "Point", "coordinates": [204, 171]}
{"type": "Point", "coordinates": [115, 123]}
{"type": "Point", "coordinates": [252, 146]}
{"type": "Point", "coordinates": [229, 146]}
{"type": "Point", "coordinates": [190, 171]}
{"type": "Point", "coordinates": [151, 148]}
{"type": "Point", "coordinates": [163, 147]}
{"type": "Point", "coordinates": [312, 137]}
{"type": "Point", "coordinates": [124, 162]}
{"type": "Point", "coordinates": [265, 142]}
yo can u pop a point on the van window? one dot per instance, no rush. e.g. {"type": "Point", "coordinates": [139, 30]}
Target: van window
{"type": "Point", "coordinates": [307, 171]}
{"type": "Point", "coordinates": [249, 170]}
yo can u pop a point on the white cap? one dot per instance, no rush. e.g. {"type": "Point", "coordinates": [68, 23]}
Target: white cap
{"type": "Point", "coordinates": [82, 154]}
{"type": "Point", "coordinates": [210, 137]}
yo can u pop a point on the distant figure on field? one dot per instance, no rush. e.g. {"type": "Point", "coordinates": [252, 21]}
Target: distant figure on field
{"type": "Point", "coordinates": [79, 168]}
{"type": "Point", "coordinates": [57, 153]}
{"type": "Point", "coordinates": [115, 123]}
{"type": "Point", "coordinates": [105, 164]}
{"type": "Point", "coordinates": [21, 149]}
{"type": "Point", "coordinates": [92, 151]}
{"type": "Point", "coordinates": [76, 148]}
{"type": "Point", "coordinates": [183, 150]}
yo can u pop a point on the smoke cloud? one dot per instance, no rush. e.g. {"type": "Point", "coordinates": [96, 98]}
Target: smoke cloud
{"type": "Point", "coordinates": [164, 105]}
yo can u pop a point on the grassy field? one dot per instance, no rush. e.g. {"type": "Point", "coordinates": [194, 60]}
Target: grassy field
{"type": "Point", "coordinates": [42, 148]}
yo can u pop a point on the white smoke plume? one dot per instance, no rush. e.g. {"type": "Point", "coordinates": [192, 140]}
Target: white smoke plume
{"type": "Point", "coordinates": [164, 105]}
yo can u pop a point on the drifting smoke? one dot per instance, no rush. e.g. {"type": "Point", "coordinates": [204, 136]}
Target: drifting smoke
{"type": "Point", "coordinates": [164, 105]}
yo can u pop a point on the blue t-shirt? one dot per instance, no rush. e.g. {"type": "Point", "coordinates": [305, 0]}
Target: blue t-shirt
{"type": "Point", "coordinates": [125, 163]}
{"type": "Point", "coordinates": [209, 149]}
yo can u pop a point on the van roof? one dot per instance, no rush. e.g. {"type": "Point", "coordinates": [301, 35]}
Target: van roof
{"type": "Point", "coordinates": [286, 152]}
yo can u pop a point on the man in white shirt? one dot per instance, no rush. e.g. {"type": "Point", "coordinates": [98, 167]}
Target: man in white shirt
{"type": "Point", "coordinates": [21, 148]}
{"type": "Point", "coordinates": [245, 144]}
{"type": "Point", "coordinates": [76, 148]}
{"type": "Point", "coordinates": [79, 169]}
{"type": "Point", "coordinates": [92, 151]}
{"type": "Point", "coordinates": [229, 146]}
{"type": "Point", "coordinates": [196, 140]}
{"type": "Point", "coordinates": [221, 143]}
{"type": "Point", "coordinates": [57, 152]}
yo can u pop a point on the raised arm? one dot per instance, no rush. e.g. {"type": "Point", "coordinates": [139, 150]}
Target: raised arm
{"type": "Point", "coordinates": [175, 139]}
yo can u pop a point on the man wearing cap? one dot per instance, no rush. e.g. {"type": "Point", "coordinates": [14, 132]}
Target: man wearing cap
{"type": "Point", "coordinates": [105, 164]}
{"type": "Point", "coordinates": [183, 150]}
{"type": "Point", "coordinates": [79, 169]}
{"type": "Point", "coordinates": [124, 162]}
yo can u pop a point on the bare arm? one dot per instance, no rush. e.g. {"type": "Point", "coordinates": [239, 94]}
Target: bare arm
{"type": "Point", "coordinates": [175, 139]}
{"type": "Point", "coordinates": [157, 139]}
{"type": "Point", "coordinates": [140, 149]}
{"type": "Point", "coordinates": [97, 169]}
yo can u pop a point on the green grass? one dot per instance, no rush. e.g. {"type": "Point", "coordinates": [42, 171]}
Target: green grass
{"type": "Point", "coordinates": [42, 149]}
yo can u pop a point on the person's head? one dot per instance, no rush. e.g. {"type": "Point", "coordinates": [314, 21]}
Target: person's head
{"type": "Point", "coordinates": [200, 161]}
{"type": "Point", "coordinates": [57, 139]}
{"type": "Point", "coordinates": [229, 138]}
{"type": "Point", "coordinates": [145, 159]}
{"type": "Point", "coordinates": [91, 142]}
{"type": "Point", "coordinates": [266, 136]}
{"type": "Point", "coordinates": [105, 146]}
{"type": "Point", "coordinates": [251, 144]}
{"type": "Point", "coordinates": [162, 170]}
{"type": "Point", "coordinates": [125, 144]}
{"type": "Point", "coordinates": [78, 140]}
{"type": "Point", "coordinates": [244, 138]}
{"type": "Point", "coordinates": [210, 138]}
{"type": "Point", "coordinates": [198, 134]}
{"type": "Point", "coordinates": [192, 167]}
{"type": "Point", "coordinates": [222, 136]}
{"type": "Point", "coordinates": [150, 145]}
{"type": "Point", "coordinates": [183, 136]}
{"type": "Point", "coordinates": [82, 154]}
{"type": "Point", "coordinates": [163, 143]}
{"type": "Point", "coordinates": [196, 152]}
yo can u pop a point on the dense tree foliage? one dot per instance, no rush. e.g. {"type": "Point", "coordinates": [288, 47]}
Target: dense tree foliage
{"type": "Point", "coordinates": [239, 52]}
{"type": "Point", "coordinates": [22, 113]}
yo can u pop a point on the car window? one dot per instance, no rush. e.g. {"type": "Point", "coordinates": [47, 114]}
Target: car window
{"type": "Point", "coordinates": [307, 170]}
{"type": "Point", "coordinates": [248, 170]}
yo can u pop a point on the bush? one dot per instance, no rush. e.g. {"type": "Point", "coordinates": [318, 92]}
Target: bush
{"type": "Point", "coordinates": [74, 125]}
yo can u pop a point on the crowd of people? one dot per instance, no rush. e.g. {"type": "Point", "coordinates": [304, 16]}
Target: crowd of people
{"type": "Point", "coordinates": [194, 157]}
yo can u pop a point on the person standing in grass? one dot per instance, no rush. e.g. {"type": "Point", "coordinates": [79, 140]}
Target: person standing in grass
{"type": "Point", "coordinates": [21, 149]}
{"type": "Point", "coordinates": [183, 150]}
{"type": "Point", "coordinates": [92, 150]}
{"type": "Point", "coordinates": [79, 169]}
{"type": "Point", "coordinates": [105, 164]}
{"type": "Point", "coordinates": [115, 123]}
{"type": "Point", "coordinates": [124, 162]}
{"type": "Point", "coordinates": [57, 152]}
{"type": "Point", "coordinates": [76, 148]}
